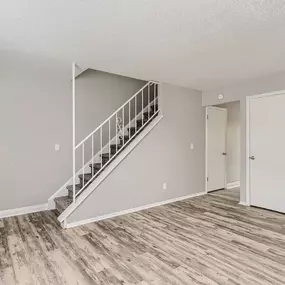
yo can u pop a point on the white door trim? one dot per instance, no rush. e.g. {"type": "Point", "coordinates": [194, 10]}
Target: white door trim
{"type": "Point", "coordinates": [206, 145]}
{"type": "Point", "coordinates": [248, 99]}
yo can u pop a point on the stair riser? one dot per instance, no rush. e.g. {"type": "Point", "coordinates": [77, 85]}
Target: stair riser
{"type": "Point", "coordinates": [114, 150]}
{"type": "Point", "coordinates": [146, 117]}
{"type": "Point", "coordinates": [154, 108]}
{"type": "Point", "coordinates": [134, 131]}
{"type": "Point", "coordinates": [81, 182]}
{"type": "Point", "coordinates": [125, 139]}
{"type": "Point", "coordinates": [95, 169]}
{"type": "Point", "coordinates": [105, 160]}
{"type": "Point", "coordinates": [140, 123]}
{"type": "Point", "coordinates": [58, 208]}
{"type": "Point", "coordinates": [145, 120]}
{"type": "Point", "coordinates": [70, 193]}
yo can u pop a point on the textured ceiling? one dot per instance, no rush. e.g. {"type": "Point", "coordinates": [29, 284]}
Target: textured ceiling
{"type": "Point", "coordinates": [201, 44]}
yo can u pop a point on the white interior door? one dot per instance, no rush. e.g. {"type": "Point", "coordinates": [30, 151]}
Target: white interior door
{"type": "Point", "coordinates": [267, 154]}
{"type": "Point", "coordinates": [216, 148]}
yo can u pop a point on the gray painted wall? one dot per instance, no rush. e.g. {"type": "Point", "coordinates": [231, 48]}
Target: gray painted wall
{"type": "Point", "coordinates": [35, 113]}
{"type": "Point", "coordinates": [238, 92]}
{"type": "Point", "coordinates": [233, 141]}
{"type": "Point", "coordinates": [164, 155]}
{"type": "Point", "coordinates": [99, 94]}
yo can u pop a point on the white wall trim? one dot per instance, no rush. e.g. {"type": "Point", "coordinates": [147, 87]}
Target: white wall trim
{"type": "Point", "coordinates": [248, 99]}
{"type": "Point", "coordinates": [79, 70]}
{"type": "Point", "coordinates": [206, 148]}
{"type": "Point", "coordinates": [23, 211]}
{"type": "Point", "coordinates": [137, 209]}
{"type": "Point", "coordinates": [243, 203]}
{"type": "Point", "coordinates": [233, 184]}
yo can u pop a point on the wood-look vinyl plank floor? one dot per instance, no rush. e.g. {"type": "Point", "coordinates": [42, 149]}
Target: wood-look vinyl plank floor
{"type": "Point", "coordinates": [205, 240]}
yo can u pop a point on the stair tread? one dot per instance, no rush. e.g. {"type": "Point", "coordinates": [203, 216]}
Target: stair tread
{"type": "Point", "coordinates": [115, 145]}
{"type": "Point", "coordinates": [63, 202]}
{"type": "Point", "coordinates": [77, 187]}
{"type": "Point", "coordinates": [96, 165]}
{"type": "Point", "coordinates": [87, 176]}
{"type": "Point", "coordinates": [150, 113]}
{"type": "Point", "coordinates": [125, 139]}
{"type": "Point", "coordinates": [106, 155]}
{"type": "Point", "coordinates": [146, 118]}
{"type": "Point", "coordinates": [140, 120]}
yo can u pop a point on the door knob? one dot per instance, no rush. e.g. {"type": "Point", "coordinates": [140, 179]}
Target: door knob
{"type": "Point", "coordinates": [224, 153]}
{"type": "Point", "coordinates": [252, 157]}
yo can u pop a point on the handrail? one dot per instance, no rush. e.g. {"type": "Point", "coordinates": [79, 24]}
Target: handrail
{"type": "Point", "coordinates": [100, 126]}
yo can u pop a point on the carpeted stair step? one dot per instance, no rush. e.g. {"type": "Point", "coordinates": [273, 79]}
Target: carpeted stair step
{"type": "Point", "coordinates": [147, 115]}
{"type": "Point", "coordinates": [141, 122]}
{"type": "Point", "coordinates": [70, 189]}
{"type": "Point", "coordinates": [106, 157]}
{"type": "Point", "coordinates": [61, 203]}
{"type": "Point", "coordinates": [126, 139]}
{"type": "Point", "coordinates": [114, 148]}
{"type": "Point", "coordinates": [96, 167]}
{"type": "Point", "coordinates": [86, 177]}
{"type": "Point", "coordinates": [132, 130]}
{"type": "Point", "coordinates": [154, 108]}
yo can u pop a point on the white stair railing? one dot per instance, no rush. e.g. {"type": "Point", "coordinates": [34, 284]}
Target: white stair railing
{"type": "Point", "coordinates": [144, 106]}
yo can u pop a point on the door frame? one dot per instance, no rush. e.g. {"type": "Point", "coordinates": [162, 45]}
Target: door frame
{"type": "Point", "coordinates": [206, 145]}
{"type": "Point", "coordinates": [248, 100]}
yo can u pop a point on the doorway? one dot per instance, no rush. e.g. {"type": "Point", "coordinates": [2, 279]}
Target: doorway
{"type": "Point", "coordinates": [223, 147]}
{"type": "Point", "coordinates": [216, 127]}
{"type": "Point", "coordinates": [266, 157]}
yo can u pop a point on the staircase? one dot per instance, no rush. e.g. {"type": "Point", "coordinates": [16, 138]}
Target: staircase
{"type": "Point", "coordinates": [106, 146]}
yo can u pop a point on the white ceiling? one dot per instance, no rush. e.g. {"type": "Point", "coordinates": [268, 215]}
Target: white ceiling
{"type": "Point", "coordinates": [200, 44]}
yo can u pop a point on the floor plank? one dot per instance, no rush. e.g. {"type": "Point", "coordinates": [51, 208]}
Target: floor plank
{"type": "Point", "coordinates": [206, 240]}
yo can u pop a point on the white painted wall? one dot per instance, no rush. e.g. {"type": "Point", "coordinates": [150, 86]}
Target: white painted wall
{"type": "Point", "coordinates": [233, 141]}
{"type": "Point", "coordinates": [238, 92]}
{"type": "Point", "coordinates": [164, 155]}
{"type": "Point", "coordinates": [35, 113]}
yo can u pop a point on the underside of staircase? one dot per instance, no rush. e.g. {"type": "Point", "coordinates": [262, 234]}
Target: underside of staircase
{"type": "Point", "coordinates": [69, 197]}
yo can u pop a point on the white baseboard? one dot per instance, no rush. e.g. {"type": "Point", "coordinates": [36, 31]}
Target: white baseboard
{"type": "Point", "coordinates": [243, 203]}
{"type": "Point", "coordinates": [129, 211]}
{"type": "Point", "coordinates": [233, 185]}
{"type": "Point", "coordinates": [23, 211]}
